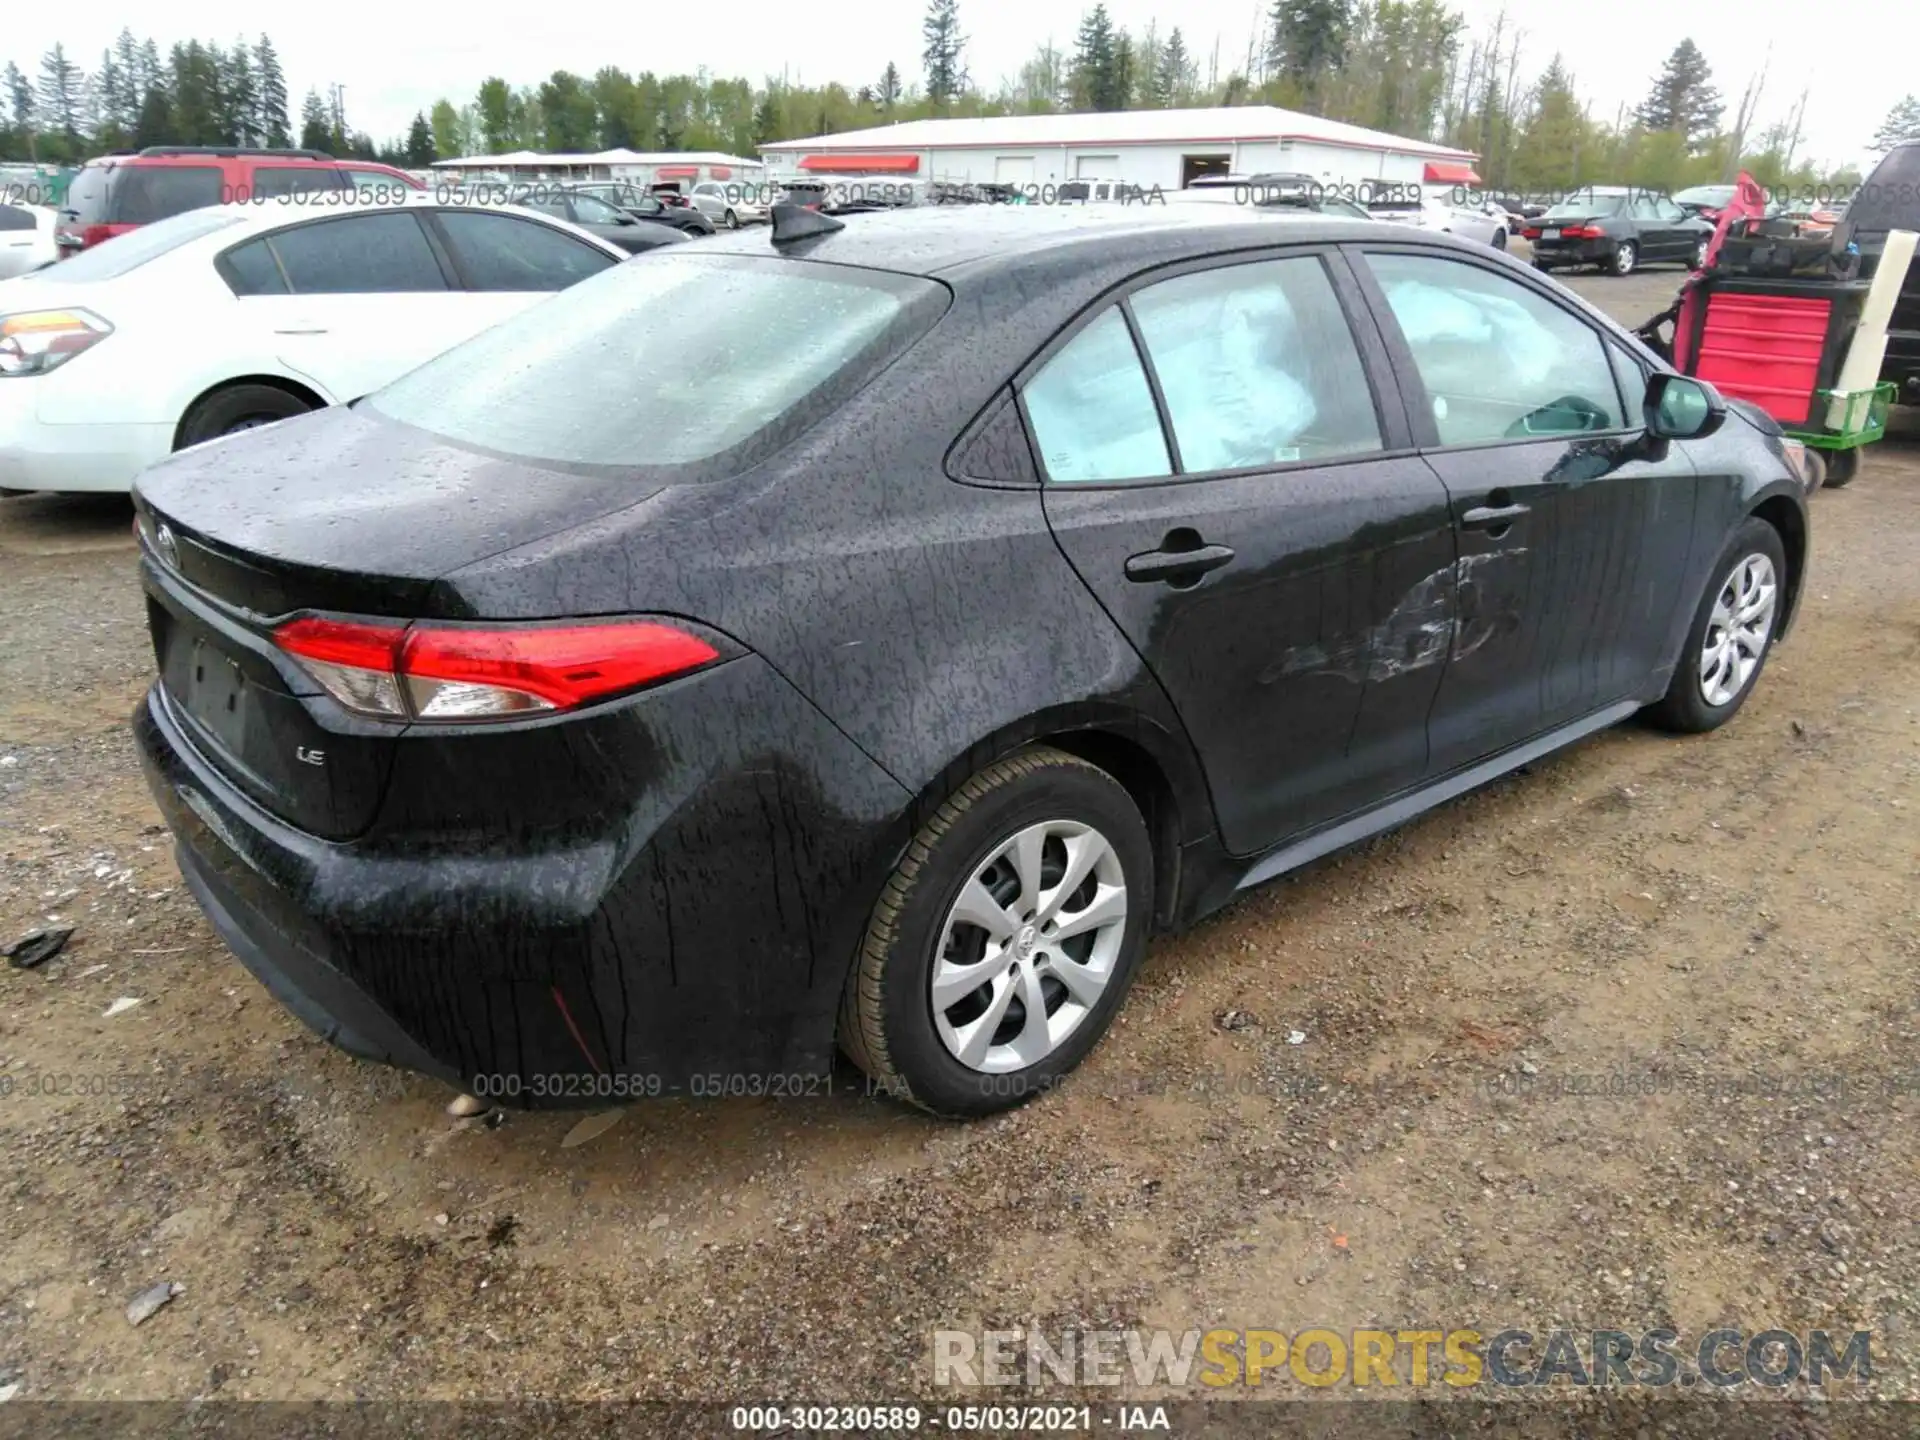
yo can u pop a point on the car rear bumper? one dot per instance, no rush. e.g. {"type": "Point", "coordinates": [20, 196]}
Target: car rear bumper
{"type": "Point", "coordinates": [97, 456]}
{"type": "Point", "coordinates": [697, 952]}
{"type": "Point", "coordinates": [1572, 252]}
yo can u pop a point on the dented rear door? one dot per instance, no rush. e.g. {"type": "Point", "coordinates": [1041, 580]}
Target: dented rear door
{"type": "Point", "coordinates": [1298, 612]}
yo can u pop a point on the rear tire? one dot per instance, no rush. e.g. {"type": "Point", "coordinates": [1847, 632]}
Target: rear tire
{"type": "Point", "coordinates": [236, 408]}
{"type": "Point", "coordinates": [1842, 467]}
{"type": "Point", "coordinates": [733, 221]}
{"type": "Point", "coordinates": [999, 849]}
{"type": "Point", "coordinates": [1543, 267]}
{"type": "Point", "coordinates": [1499, 239]}
{"type": "Point", "coordinates": [1720, 663]}
{"type": "Point", "coordinates": [1626, 256]}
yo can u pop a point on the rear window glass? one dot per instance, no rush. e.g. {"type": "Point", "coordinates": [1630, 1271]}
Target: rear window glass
{"type": "Point", "coordinates": [143, 194]}
{"type": "Point", "coordinates": [1890, 200]}
{"type": "Point", "coordinates": [16, 217]}
{"type": "Point", "coordinates": [87, 196]}
{"type": "Point", "coordinates": [1583, 206]}
{"type": "Point", "coordinates": [707, 363]}
{"type": "Point", "coordinates": [127, 252]}
{"type": "Point", "coordinates": [359, 255]}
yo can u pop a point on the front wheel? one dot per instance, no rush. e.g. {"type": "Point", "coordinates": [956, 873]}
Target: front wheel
{"type": "Point", "coordinates": [1731, 634]}
{"type": "Point", "coordinates": [1625, 256]}
{"type": "Point", "coordinates": [1005, 940]}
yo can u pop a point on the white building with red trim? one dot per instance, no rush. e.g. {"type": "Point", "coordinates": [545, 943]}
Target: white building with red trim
{"type": "Point", "coordinates": [638, 167]}
{"type": "Point", "coordinates": [1165, 148]}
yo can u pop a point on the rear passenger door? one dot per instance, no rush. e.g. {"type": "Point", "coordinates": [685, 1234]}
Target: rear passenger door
{"type": "Point", "coordinates": [350, 302]}
{"type": "Point", "coordinates": [1226, 471]}
{"type": "Point", "coordinates": [1573, 531]}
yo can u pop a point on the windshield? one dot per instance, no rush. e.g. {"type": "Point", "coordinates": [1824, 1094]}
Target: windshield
{"type": "Point", "coordinates": [707, 362]}
{"type": "Point", "coordinates": [1582, 207]}
{"type": "Point", "coordinates": [113, 258]}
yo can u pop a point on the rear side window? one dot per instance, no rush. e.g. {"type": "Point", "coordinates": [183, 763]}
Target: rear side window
{"type": "Point", "coordinates": [1257, 365]}
{"type": "Point", "coordinates": [669, 363]}
{"type": "Point", "coordinates": [15, 217]}
{"type": "Point", "coordinates": [359, 255]}
{"type": "Point", "coordinates": [250, 269]}
{"type": "Point", "coordinates": [273, 182]}
{"type": "Point", "coordinates": [1092, 411]}
{"type": "Point", "coordinates": [143, 194]}
{"type": "Point", "coordinates": [504, 252]}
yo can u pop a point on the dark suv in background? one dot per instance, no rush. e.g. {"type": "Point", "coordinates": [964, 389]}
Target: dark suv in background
{"type": "Point", "coordinates": [118, 193]}
{"type": "Point", "coordinates": [1890, 200]}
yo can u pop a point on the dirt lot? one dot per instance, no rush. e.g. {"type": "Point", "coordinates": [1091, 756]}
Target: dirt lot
{"type": "Point", "coordinates": [1684, 910]}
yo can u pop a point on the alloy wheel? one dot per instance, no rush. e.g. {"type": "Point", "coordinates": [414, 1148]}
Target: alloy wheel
{"type": "Point", "coordinates": [1700, 256]}
{"type": "Point", "coordinates": [1623, 258]}
{"type": "Point", "coordinates": [1029, 945]}
{"type": "Point", "coordinates": [1738, 630]}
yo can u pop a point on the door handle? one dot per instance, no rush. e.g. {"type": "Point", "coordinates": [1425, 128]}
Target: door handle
{"type": "Point", "coordinates": [312, 330]}
{"type": "Point", "coordinates": [1177, 566]}
{"type": "Point", "coordinates": [1492, 517]}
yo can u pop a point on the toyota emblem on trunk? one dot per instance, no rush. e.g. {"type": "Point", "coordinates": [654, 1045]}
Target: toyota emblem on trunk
{"type": "Point", "coordinates": [169, 552]}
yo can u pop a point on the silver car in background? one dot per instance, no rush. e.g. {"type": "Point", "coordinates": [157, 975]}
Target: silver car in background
{"type": "Point", "coordinates": [730, 203]}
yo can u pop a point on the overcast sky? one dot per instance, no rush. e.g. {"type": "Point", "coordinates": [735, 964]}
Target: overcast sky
{"type": "Point", "coordinates": [395, 59]}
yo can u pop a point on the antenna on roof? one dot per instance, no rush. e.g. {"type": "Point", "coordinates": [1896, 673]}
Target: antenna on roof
{"type": "Point", "coordinates": [797, 222]}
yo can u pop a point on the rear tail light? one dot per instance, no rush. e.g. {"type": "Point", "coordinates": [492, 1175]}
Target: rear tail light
{"type": "Point", "coordinates": [1581, 232]}
{"type": "Point", "coordinates": [41, 340]}
{"type": "Point", "coordinates": [1532, 232]}
{"type": "Point", "coordinates": [458, 673]}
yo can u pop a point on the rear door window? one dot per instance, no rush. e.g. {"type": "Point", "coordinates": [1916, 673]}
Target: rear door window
{"type": "Point", "coordinates": [88, 195]}
{"type": "Point", "coordinates": [506, 252]}
{"type": "Point", "coordinates": [16, 217]}
{"type": "Point", "coordinates": [1257, 365]}
{"type": "Point", "coordinates": [1092, 412]}
{"type": "Point", "coordinates": [359, 255]}
{"type": "Point", "coordinates": [143, 194]}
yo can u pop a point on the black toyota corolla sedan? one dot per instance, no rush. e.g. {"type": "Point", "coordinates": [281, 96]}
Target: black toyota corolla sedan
{"type": "Point", "coordinates": [870, 637]}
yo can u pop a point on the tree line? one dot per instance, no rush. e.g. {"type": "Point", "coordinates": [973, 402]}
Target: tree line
{"type": "Point", "coordinates": [1409, 67]}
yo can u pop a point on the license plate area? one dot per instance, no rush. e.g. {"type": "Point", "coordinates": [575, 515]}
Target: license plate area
{"type": "Point", "coordinates": [1549, 234]}
{"type": "Point", "coordinates": [217, 693]}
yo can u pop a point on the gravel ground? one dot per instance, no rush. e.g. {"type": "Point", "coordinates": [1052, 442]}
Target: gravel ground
{"type": "Point", "coordinates": [1440, 1148]}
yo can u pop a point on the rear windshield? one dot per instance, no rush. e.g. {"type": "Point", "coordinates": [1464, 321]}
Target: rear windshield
{"type": "Point", "coordinates": [113, 258]}
{"type": "Point", "coordinates": [1890, 200]}
{"type": "Point", "coordinates": [1580, 207]}
{"type": "Point", "coordinates": [143, 194]}
{"type": "Point", "coordinates": [698, 363]}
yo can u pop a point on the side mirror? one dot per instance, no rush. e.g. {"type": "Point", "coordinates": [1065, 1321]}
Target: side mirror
{"type": "Point", "coordinates": [1678, 407]}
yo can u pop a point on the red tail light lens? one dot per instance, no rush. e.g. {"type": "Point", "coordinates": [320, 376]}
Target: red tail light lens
{"type": "Point", "coordinates": [424, 672]}
{"type": "Point", "coordinates": [1532, 232]}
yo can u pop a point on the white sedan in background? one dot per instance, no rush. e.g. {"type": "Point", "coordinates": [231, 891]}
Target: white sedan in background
{"type": "Point", "coordinates": [226, 318]}
{"type": "Point", "coordinates": [1484, 223]}
{"type": "Point", "coordinates": [26, 238]}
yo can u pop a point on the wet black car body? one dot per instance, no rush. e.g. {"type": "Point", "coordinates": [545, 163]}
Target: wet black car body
{"type": "Point", "coordinates": [668, 891]}
{"type": "Point", "coordinates": [1618, 229]}
{"type": "Point", "coordinates": [634, 201]}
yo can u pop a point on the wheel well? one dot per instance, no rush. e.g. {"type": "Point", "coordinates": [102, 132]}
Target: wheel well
{"type": "Point", "coordinates": [1785, 517]}
{"type": "Point", "coordinates": [1141, 776]}
{"type": "Point", "coordinates": [273, 382]}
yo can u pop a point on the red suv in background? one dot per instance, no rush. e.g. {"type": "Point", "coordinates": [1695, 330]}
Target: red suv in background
{"type": "Point", "coordinates": [118, 193]}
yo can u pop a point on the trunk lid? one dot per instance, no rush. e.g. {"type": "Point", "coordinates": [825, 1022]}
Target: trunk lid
{"type": "Point", "coordinates": [337, 512]}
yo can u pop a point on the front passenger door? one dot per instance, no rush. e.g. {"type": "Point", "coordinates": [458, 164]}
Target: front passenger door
{"type": "Point", "coordinates": [1572, 528]}
{"type": "Point", "coordinates": [1224, 477]}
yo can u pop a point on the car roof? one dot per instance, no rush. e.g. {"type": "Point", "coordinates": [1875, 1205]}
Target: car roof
{"type": "Point", "coordinates": [938, 239]}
